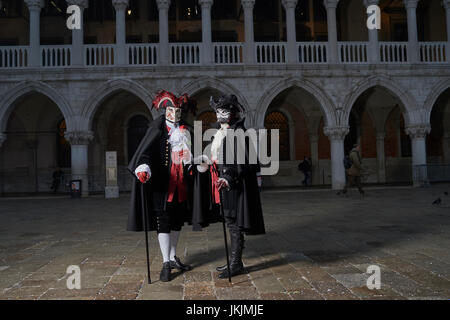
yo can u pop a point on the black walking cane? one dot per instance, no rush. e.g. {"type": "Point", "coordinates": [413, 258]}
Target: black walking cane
{"type": "Point", "coordinates": [224, 229]}
{"type": "Point", "coordinates": [144, 213]}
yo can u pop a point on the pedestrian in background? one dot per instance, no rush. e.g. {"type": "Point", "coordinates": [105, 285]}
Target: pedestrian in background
{"type": "Point", "coordinates": [305, 168]}
{"type": "Point", "coordinates": [353, 166]}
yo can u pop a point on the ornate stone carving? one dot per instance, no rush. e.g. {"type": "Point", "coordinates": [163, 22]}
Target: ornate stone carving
{"type": "Point", "coordinates": [83, 4]}
{"type": "Point", "coordinates": [79, 137]}
{"type": "Point", "coordinates": [336, 133]}
{"type": "Point", "coordinates": [248, 4]}
{"type": "Point", "coordinates": [418, 131]}
{"type": "Point", "coordinates": [289, 4]}
{"type": "Point", "coordinates": [120, 4]}
{"type": "Point", "coordinates": [330, 3]}
{"type": "Point", "coordinates": [35, 4]}
{"type": "Point", "coordinates": [2, 138]}
{"type": "Point", "coordinates": [163, 4]}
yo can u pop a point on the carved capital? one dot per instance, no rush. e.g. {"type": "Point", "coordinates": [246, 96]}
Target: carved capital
{"type": "Point", "coordinates": [336, 133]}
{"type": "Point", "coordinates": [206, 3]}
{"type": "Point", "coordinates": [120, 4]}
{"type": "Point", "coordinates": [418, 131]}
{"type": "Point", "coordinates": [79, 137]}
{"type": "Point", "coordinates": [411, 4]}
{"type": "Point", "coordinates": [83, 4]}
{"type": "Point", "coordinates": [289, 4]}
{"type": "Point", "coordinates": [2, 138]}
{"type": "Point", "coordinates": [248, 4]}
{"type": "Point", "coordinates": [314, 138]}
{"type": "Point", "coordinates": [330, 4]}
{"type": "Point", "coordinates": [381, 135]}
{"type": "Point", "coordinates": [163, 4]}
{"type": "Point", "coordinates": [35, 4]}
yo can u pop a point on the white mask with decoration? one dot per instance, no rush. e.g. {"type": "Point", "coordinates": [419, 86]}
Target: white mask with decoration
{"type": "Point", "coordinates": [223, 115]}
{"type": "Point", "coordinates": [173, 114]}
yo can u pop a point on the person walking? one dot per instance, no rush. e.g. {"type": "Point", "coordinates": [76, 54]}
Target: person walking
{"type": "Point", "coordinates": [355, 171]}
{"type": "Point", "coordinates": [305, 168]}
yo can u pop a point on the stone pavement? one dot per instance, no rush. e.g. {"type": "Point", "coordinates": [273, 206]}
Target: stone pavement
{"type": "Point", "coordinates": [318, 246]}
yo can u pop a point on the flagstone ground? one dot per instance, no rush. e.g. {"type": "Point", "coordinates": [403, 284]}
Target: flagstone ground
{"type": "Point", "coordinates": [318, 246]}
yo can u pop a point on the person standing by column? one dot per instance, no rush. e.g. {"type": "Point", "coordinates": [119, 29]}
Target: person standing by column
{"type": "Point", "coordinates": [355, 171]}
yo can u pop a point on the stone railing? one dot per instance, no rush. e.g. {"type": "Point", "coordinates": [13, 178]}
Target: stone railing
{"type": "Point", "coordinates": [142, 54]}
{"type": "Point", "coordinates": [185, 53]}
{"type": "Point", "coordinates": [99, 54]}
{"type": "Point", "coordinates": [228, 52]}
{"type": "Point", "coordinates": [352, 52]}
{"type": "Point", "coordinates": [270, 52]}
{"type": "Point", "coordinates": [393, 52]}
{"type": "Point", "coordinates": [56, 56]}
{"type": "Point", "coordinates": [223, 53]}
{"type": "Point", "coordinates": [433, 52]}
{"type": "Point", "coordinates": [14, 57]}
{"type": "Point", "coordinates": [312, 52]}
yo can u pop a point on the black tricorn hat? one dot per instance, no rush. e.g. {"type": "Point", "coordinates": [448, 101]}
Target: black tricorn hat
{"type": "Point", "coordinates": [228, 102]}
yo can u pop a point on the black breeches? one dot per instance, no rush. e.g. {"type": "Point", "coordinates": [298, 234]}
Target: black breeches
{"type": "Point", "coordinates": [232, 225]}
{"type": "Point", "coordinates": [169, 217]}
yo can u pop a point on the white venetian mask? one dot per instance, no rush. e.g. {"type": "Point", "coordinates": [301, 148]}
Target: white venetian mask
{"type": "Point", "coordinates": [173, 114]}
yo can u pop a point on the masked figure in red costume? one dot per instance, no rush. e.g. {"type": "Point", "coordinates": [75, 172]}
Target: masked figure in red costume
{"type": "Point", "coordinates": [162, 163]}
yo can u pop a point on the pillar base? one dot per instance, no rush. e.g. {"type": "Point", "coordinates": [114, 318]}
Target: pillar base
{"type": "Point", "coordinates": [112, 192]}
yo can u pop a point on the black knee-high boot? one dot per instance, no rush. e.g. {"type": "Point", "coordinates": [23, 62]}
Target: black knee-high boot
{"type": "Point", "coordinates": [237, 245]}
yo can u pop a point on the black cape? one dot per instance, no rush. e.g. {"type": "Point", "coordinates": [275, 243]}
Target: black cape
{"type": "Point", "coordinates": [151, 141]}
{"type": "Point", "coordinates": [242, 201]}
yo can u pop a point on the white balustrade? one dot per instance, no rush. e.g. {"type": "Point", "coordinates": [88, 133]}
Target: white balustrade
{"type": "Point", "coordinates": [14, 57]}
{"type": "Point", "coordinates": [270, 52]}
{"type": "Point", "coordinates": [352, 52]}
{"type": "Point", "coordinates": [312, 52]}
{"type": "Point", "coordinates": [100, 55]}
{"type": "Point", "coordinates": [432, 52]}
{"type": "Point", "coordinates": [185, 53]}
{"type": "Point", "coordinates": [142, 54]}
{"type": "Point", "coordinates": [394, 52]}
{"type": "Point", "coordinates": [56, 56]}
{"type": "Point", "coordinates": [228, 52]}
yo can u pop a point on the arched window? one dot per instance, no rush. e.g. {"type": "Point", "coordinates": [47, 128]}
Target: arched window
{"type": "Point", "coordinates": [207, 118]}
{"type": "Point", "coordinates": [63, 146]}
{"type": "Point", "coordinates": [137, 127]}
{"type": "Point", "coordinates": [277, 120]}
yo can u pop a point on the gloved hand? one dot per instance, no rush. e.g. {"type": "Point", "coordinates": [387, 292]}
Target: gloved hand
{"type": "Point", "coordinates": [202, 162]}
{"type": "Point", "coordinates": [222, 183]}
{"type": "Point", "coordinates": [143, 173]}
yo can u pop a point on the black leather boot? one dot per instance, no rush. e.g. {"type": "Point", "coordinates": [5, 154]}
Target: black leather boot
{"type": "Point", "coordinates": [165, 274]}
{"type": "Point", "coordinates": [236, 265]}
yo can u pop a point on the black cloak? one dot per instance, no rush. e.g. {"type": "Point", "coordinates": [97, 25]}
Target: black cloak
{"type": "Point", "coordinates": [242, 201]}
{"type": "Point", "coordinates": [154, 144]}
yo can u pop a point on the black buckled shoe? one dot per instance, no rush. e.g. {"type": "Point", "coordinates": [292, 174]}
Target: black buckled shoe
{"type": "Point", "coordinates": [165, 274]}
{"type": "Point", "coordinates": [177, 264]}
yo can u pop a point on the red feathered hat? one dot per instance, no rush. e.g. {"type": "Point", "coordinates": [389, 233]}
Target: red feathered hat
{"type": "Point", "coordinates": [166, 99]}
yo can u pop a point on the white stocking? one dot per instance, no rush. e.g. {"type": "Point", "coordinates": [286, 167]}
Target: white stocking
{"type": "Point", "coordinates": [174, 235]}
{"type": "Point", "coordinates": [164, 245]}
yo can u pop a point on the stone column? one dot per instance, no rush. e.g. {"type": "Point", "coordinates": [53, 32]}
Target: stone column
{"type": "Point", "coordinates": [77, 54]}
{"type": "Point", "coordinates": [446, 4]}
{"type": "Point", "coordinates": [121, 49]}
{"type": "Point", "coordinates": [206, 54]}
{"type": "Point", "coordinates": [337, 136]}
{"type": "Point", "coordinates": [374, 50]}
{"type": "Point", "coordinates": [35, 6]}
{"type": "Point", "coordinates": [249, 47]}
{"type": "Point", "coordinates": [381, 158]}
{"type": "Point", "coordinates": [413, 43]}
{"type": "Point", "coordinates": [332, 29]}
{"type": "Point", "coordinates": [79, 141]}
{"type": "Point", "coordinates": [418, 133]}
{"type": "Point", "coordinates": [314, 141]}
{"type": "Point", "coordinates": [289, 6]}
{"type": "Point", "coordinates": [164, 54]}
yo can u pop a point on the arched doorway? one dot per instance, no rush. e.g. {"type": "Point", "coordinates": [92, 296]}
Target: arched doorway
{"type": "Point", "coordinates": [137, 127]}
{"type": "Point", "coordinates": [277, 120]}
